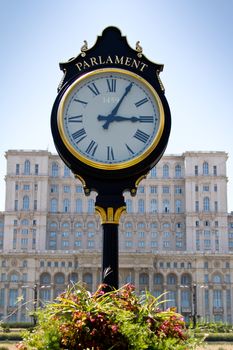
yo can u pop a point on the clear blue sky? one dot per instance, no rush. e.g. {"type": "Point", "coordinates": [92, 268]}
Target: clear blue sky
{"type": "Point", "coordinates": [192, 38]}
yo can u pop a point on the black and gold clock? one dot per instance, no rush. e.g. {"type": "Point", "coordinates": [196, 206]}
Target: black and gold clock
{"type": "Point", "coordinates": [111, 119]}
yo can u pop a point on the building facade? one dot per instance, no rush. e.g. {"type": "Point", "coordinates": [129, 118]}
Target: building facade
{"type": "Point", "coordinates": [177, 235]}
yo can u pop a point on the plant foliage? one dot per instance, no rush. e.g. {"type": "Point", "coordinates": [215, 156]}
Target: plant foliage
{"type": "Point", "coordinates": [107, 320]}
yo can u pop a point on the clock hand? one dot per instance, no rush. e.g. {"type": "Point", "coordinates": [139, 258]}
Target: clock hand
{"type": "Point", "coordinates": [110, 117]}
{"type": "Point", "coordinates": [127, 90]}
{"type": "Point", "coordinates": [117, 118]}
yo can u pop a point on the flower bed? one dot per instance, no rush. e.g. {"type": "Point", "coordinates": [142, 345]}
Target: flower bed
{"type": "Point", "coordinates": [118, 319]}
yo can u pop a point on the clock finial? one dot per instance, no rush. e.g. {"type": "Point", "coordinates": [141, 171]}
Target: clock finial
{"type": "Point", "coordinates": [84, 48]}
{"type": "Point", "coordinates": [139, 49]}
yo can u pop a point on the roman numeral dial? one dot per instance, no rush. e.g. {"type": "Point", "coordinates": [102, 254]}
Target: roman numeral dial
{"type": "Point", "coordinates": [111, 119]}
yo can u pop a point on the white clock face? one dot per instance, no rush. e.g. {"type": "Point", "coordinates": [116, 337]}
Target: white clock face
{"type": "Point", "coordinates": [110, 118]}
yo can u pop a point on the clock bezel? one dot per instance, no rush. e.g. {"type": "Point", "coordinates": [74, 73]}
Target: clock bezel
{"type": "Point", "coordinates": [110, 166]}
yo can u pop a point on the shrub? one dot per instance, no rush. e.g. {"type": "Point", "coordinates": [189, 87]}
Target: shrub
{"type": "Point", "coordinates": [118, 319]}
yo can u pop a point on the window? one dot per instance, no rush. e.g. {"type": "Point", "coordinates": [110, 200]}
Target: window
{"type": "Point", "coordinates": [178, 190]}
{"type": "Point", "coordinates": [165, 171]}
{"type": "Point", "coordinates": [53, 205]}
{"type": "Point", "coordinates": [215, 170]}
{"type": "Point", "coordinates": [66, 189]}
{"type": "Point", "coordinates": [27, 167]}
{"type": "Point", "coordinates": [141, 244]}
{"type": "Point", "coordinates": [171, 279]}
{"type": "Point", "coordinates": [17, 169]}
{"type": "Point", "coordinates": [35, 205]}
{"type": "Point", "coordinates": [217, 298]}
{"type": "Point", "coordinates": [59, 278]}
{"type": "Point", "coordinates": [129, 205]}
{"type": "Point", "coordinates": [215, 206]}
{"type": "Point", "coordinates": [153, 172]}
{"type": "Point", "coordinates": [196, 170]}
{"type": "Point", "coordinates": [166, 189]}
{"type": "Point", "coordinates": [217, 279]}
{"type": "Point", "coordinates": [178, 206]}
{"type": "Point", "coordinates": [25, 203]}
{"type": "Point", "coordinates": [141, 189]}
{"type": "Point", "coordinates": [79, 189]}
{"type": "Point", "coordinates": [153, 189]}
{"type": "Point", "coordinates": [36, 169]}
{"type": "Point", "coordinates": [206, 204]}
{"type": "Point", "coordinates": [178, 171]}
{"type": "Point", "coordinates": [158, 279]}
{"type": "Point", "coordinates": [79, 206]}
{"type": "Point", "coordinates": [90, 244]}
{"type": "Point", "coordinates": [13, 296]}
{"type": "Point", "coordinates": [54, 188]}
{"type": "Point", "coordinates": [65, 244]}
{"type": "Point", "coordinates": [91, 206]}
{"type": "Point", "coordinates": [205, 188]}
{"type": "Point", "coordinates": [54, 170]}
{"type": "Point", "coordinates": [185, 298]}
{"type": "Point", "coordinates": [141, 206]}
{"type": "Point", "coordinates": [196, 188]}
{"type": "Point", "coordinates": [26, 187]}
{"type": "Point", "coordinates": [143, 278]}
{"type": "Point", "coordinates": [166, 206]}
{"type": "Point", "coordinates": [66, 205]}
{"type": "Point", "coordinates": [205, 168]}
{"type": "Point", "coordinates": [215, 188]}
{"type": "Point", "coordinates": [185, 279]}
{"type": "Point", "coordinates": [77, 243]}
{"type": "Point", "coordinates": [153, 206]}
{"type": "Point", "coordinates": [128, 244]}
{"type": "Point", "coordinates": [196, 206]}
{"type": "Point", "coordinates": [66, 171]}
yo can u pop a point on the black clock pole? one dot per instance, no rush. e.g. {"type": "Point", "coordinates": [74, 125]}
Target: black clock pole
{"type": "Point", "coordinates": [110, 207]}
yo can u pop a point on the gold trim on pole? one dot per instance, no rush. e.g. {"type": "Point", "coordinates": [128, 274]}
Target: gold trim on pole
{"type": "Point", "coordinates": [108, 216]}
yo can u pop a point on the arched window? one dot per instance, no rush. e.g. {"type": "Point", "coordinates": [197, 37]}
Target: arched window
{"type": "Point", "coordinates": [206, 204]}
{"type": "Point", "coordinates": [53, 205]}
{"type": "Point", "coordinates": [65, 224]}
{"type": "Point", "coordinates": [66, 206]}
{"type": "Point", "coordinates": [143, 278]}
{"type": "Point", "coordinates": [91, 206]}
{"type": "Point", "coordinates": [90, 224]}
{"type": "Point", "coordinates": [129, 205]}
{"type": "Point", "coordinates": [205, 168]}
{"type": "Point", "coordinates": [54, 170]}
{"type": "Point", "coordinates": [141, 206]}
{"type": "Point", "coordinates": [45, 278]}
{"type": "Point", "coordinates": [27, 167]}
{"type": "Point", "coordinates": [78, 224]}
{"type": "Point", "coordinates": [158, 279]}
{"type": "Point", "coordinates": [185, 279]}
{"type": "Point", "coordinates": [153, 206]}
{"type": "Point", "coordinates": [25, 203]}
{"type": "Point", "coordinates": [178, 171]}
{"type": "Point", "coordinates": [59, 278]}
{"type": "Point", "coordinates": [165, 171]}
{"type": "Point", "coordinates": [53, 224]}
{"type": "Point", "coordinates": [171, 298]}
{"type": "Point", "coordinates": [88, 279]}
{"type": "Point", "coordinates": [73, 277]}
{"type": "Point", "coordinates": [171, 279]}
{"type": "Point", "coordinates": [141, 225]}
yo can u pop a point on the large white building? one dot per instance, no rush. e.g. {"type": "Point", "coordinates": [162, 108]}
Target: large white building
{"type": "Point", "coordinates": [177, 235]}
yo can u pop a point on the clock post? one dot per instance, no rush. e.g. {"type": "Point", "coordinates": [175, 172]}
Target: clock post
{"type": "Point", "coordinates": [110, 124]}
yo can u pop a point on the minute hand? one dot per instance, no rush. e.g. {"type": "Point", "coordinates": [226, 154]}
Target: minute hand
{"type": "Point", "coordinates": [127, 90]}
{"type": "Point", "coordinates": [110, 117]}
